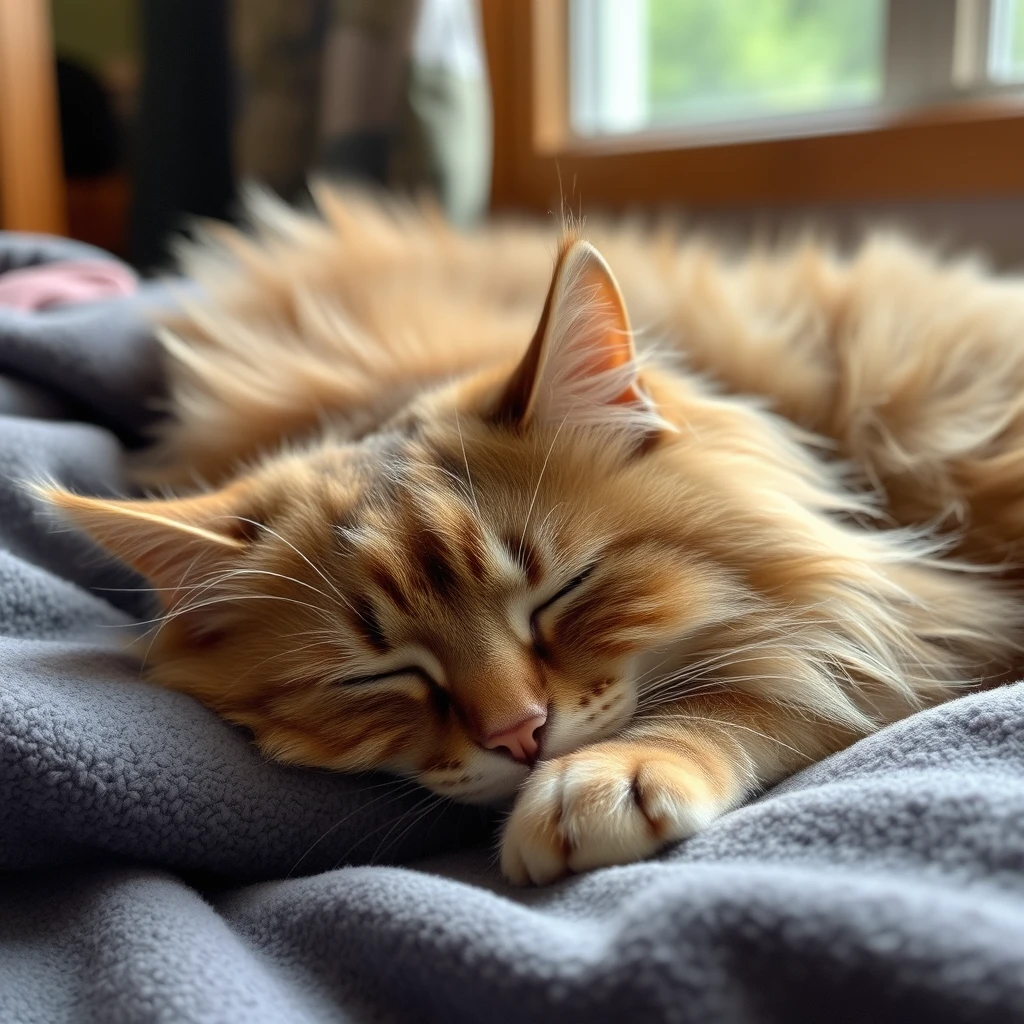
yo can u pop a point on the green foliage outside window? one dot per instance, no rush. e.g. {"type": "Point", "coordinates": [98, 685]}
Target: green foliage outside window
{"type": "Point", "coordinates": [712, 59]}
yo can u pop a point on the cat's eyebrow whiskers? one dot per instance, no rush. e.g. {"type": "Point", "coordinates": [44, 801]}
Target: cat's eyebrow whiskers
{"type": "Point", "coordinates": [540, 479]}
{"type": "Point", "coordinates": [544, 522]}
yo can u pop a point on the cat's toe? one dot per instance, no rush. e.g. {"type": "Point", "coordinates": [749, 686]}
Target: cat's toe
{"type": "Point", "coordinates": [600, 807]}
{"type": "Point", "coordinates": [533, 849]}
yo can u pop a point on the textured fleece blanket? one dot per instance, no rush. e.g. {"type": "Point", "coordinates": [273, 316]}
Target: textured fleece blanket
{"type": "Point", "coordinates": [153, 867]}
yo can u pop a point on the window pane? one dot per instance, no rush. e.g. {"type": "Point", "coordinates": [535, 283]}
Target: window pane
{"type": "Point", "coordinates": [1006, 46]}
{"type": "Point", "coordinates": [655, 63]}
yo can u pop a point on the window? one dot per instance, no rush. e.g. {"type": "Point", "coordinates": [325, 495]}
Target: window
{"type": "Point", "coordinates": [755, 67]}
{"type": "Point", "coordinates": [1006, 41]}
{"type": "Point", "coordinates": [617, 103]}
{"type": "Point", "coordinates": [639, 64]}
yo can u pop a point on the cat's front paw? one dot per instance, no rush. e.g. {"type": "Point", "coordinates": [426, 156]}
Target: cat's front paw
{"type": "Point", "coordinates": [611, 803]}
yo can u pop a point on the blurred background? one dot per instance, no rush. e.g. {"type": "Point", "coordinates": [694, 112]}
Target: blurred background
{"type": "Point", "coordinates": [121, 119]}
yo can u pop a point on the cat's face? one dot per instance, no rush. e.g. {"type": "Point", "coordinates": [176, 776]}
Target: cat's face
{"type": "Point", "coordinates": [471, 589]}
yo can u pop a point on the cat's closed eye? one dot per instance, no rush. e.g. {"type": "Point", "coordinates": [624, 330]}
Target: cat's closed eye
{"type": "Point", "coordinates": [439, 697]}
{"type": "Point", "coordinates": [379, 677]}
{"type": "Point", "coordinates": [577, 581]}
{"type": "Point", "coordinates": [574, 584]}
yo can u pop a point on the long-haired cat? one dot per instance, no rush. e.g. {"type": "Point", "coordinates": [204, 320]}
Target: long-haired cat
{"type": "Point", "coordinates": [457, 521]}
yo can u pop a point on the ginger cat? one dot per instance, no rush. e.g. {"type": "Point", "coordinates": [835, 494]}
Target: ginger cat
{"type": "Point", "coordinates": [630, 579]}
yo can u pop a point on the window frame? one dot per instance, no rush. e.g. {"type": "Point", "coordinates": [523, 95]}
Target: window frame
{"type": "Point", "coordinates": [947, 141]}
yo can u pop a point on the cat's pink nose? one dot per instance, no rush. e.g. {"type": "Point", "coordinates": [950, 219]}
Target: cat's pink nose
{"type": "Point", "coordinates": [521, 740]}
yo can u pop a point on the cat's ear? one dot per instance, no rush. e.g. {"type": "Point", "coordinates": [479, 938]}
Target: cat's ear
{"type": "Point", "coordinates": [581, 366]}
{"type": "Point", "coordinates": [175, 543]}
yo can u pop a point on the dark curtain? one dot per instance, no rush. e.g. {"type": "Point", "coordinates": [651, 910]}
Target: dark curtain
{"type": "Point", "coordinates": [183, 164]}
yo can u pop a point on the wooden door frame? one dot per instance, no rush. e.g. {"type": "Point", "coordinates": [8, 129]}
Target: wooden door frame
{"type": "Point", "coordinates": [32, 192]}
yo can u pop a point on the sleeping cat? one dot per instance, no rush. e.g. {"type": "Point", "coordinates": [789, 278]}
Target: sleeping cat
{"type": "Point", "coordinates": [458, 520]}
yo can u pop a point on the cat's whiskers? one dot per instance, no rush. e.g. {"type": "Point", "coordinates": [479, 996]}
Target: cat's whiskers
{"type": "Point", "coordinates": [680, 684]}
{"type": "Point", "coordinates": [202, 586]}
{"type": "Point", "coordinates": [234, 573]}
{"type": "Point", "coordinates": [230, 598]}
{"type": "Point", "coordinates": [645, 676]}
{"type": "Point", "coordinates": [220, 577]}
{"type": "Point", "coordinates": [540, 480]}
{"type": "Point", "coordinates": [205, 583]}
{"type": "Point", "coordinates": [327, 635]}
{"type": "Point", "coordinates": [770, 647]}
{"type": "Point", "coordinates": [431, 803]}
{"type": "Point", "coordinates": [684, 692]}
{"type": "Point", "coordinates": [284, 540]}
{"type": "Point", "coordinates": [147, 590]}
{"type": "Point", "coordinates": [685, 688]}
{"type": "Point", "coordinates": [688, 676]}
{"type": "Point", "coordinates": [290, 652]}
{"type": "Point", "coordinates": [727, 725]}
{"type": "Point", "coordinates": [423, 801]}
{"type": "Point", "coordinates": [683, 685]}
{"type": "Point", "coordinates": [159, 620]}
{"type": "Point", "coordinates": [394, 788]}
{"type": "Point", "coordinates": [717, 658]}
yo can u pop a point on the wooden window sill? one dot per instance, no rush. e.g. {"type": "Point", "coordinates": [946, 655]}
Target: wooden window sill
{"type": "Point", "coordinates": [967, 149]}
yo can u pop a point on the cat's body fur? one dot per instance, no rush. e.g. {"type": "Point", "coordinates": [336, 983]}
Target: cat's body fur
{"type": "Point", "coordinates": [696, 593]}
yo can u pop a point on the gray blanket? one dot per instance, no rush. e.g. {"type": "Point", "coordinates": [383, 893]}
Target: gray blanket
{"type": "Point", "coordinates": [156, 868]}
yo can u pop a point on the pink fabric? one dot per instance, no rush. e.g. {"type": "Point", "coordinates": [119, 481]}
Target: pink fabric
{"type": "Point", "coordinates": [65, 283]}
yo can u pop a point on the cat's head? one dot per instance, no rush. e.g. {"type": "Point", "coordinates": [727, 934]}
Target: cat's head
{"type": "Point", "coordinates": [471, 588]}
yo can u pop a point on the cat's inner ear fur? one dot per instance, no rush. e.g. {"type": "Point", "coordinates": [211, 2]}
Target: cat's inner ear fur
{"type": "Point", "coordinates": [177, 544]}
{"type": "Point", "coordinates": [581, 366]}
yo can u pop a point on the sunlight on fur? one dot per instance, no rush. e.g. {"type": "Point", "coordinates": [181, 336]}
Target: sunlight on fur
{"type": "Point", "coordinates": [440, 511]}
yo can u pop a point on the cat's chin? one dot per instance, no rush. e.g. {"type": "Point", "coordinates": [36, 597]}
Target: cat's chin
{"type": "Point", "coordinates": [485, 780]}
{"type": "Point", "coordinates": [501, 791]}
{"type": "Point", "coordinates": [497, 796]}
